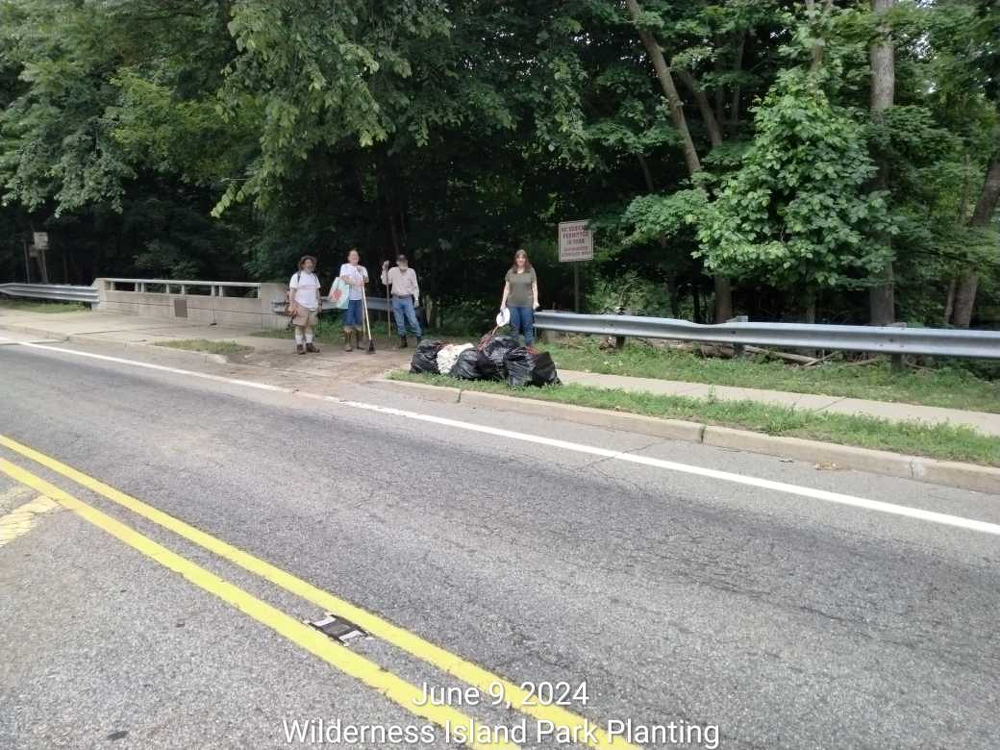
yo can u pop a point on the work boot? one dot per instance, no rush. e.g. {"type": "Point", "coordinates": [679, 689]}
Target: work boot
{"type": "Point", "coordinates": [299, 349]}
{"type": "Point", "coordinates": [402, 343]}
{"type": "Point", "coordinates": [357, 339]}
{"type": "Point", "coordinates": [347, 340]}
{"type": "Point", "coordinates": [312, 348]}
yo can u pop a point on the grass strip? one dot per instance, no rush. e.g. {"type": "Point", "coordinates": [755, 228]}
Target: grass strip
{"type": "Point", "coordinates": [946, 442]}
{"type": "Point", "coordinates": [946, 386]}
{"type": "Point", "coordinates": [205, 345]}
{"type": "Point", "coordinates": [41, 307]}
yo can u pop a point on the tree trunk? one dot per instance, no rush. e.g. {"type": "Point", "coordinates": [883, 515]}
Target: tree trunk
{"type": "Point", "coordinates": [704, 107]}
{"type": "Point", "coordinates": [882, 296]}
{"type": "Point", "coordinates": [674, 293]}
{"type": "Point", "coordinates": [817, 50]}
{"type": "Point", "coordinates": [669, 89]}
{"type": "Point", "coordinates": [680, 122]}
{"type": "Point", "coordinates": [809, 308]}
{"type": "Point", "coordinates": [949, 304]}
{"type": "Point", "coordinates": [723, 299]}
{"type": "Point", "coordinates": [982, 216]}
{"type": "Point", "coordinates": [734, 115]}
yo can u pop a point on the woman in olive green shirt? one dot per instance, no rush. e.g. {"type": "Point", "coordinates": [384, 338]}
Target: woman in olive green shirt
{"type": "Point", "coordinates": [520, 295]}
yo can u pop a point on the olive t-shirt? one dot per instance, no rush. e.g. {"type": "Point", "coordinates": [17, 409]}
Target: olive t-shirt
{"type": "Point", "coordinates": [520, 288]}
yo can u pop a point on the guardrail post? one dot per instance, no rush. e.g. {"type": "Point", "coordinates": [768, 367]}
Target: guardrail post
{"type": "Point", "coordinates": [897, 359]}
{"type": "Point", "coordinates": [738, 349]}
{"type": "Point", "coordinates": [619, 340]}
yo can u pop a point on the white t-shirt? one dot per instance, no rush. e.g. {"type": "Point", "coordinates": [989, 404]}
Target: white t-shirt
{"type": "Point", "coordinates": [357, 273]}
{"type": "Point", "coordinates": [305, 288]}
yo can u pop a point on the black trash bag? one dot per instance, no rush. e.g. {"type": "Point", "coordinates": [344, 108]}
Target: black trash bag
{"type": "Point", "coordinates": [491, 356]}
{"type": "Point", "coordinates": [545, 370]}
{"type": "Point", "coordinates": [467, 366]}
{"type": "Point", "coordinates": [425, 357]}
{"type": "Point", "coordinates": [527, 367]}
{"type": "Point", "coordinates": [519, 363]}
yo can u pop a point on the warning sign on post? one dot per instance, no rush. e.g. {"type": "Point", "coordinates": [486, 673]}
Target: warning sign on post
{"type": "Point", "coordinates": [576, 242]}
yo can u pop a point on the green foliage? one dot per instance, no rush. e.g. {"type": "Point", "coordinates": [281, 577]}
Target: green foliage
{"type": "Point", "coordinates": [188, 137]}
{"type": "Point", "coordinates": [628, 294]}
{"type": "Point", "coordinates": [797, 212]}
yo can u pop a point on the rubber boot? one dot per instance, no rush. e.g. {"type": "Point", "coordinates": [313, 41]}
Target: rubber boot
{"type": "Point", "coordinates": [357, 339]}
{"type": "Point", "coordinates": [402, 343]}
{"type": "Point", "coordinates": [299, 349]}
{"type": "Point", "coordinates": [347, 340]}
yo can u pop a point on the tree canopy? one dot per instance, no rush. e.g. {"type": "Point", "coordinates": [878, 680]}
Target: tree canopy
{"type": "Point", "coordinates": [780, 159]}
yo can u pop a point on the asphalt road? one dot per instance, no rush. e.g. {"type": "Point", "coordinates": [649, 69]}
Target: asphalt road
{"type": "Point", "coordinates": [785, 621]}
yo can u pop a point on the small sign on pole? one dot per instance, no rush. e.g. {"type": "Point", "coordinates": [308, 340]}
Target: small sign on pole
{"type": "Point", "coordinates": [576, 243]}
{"type": "Point", "coordinates": [41, 240]}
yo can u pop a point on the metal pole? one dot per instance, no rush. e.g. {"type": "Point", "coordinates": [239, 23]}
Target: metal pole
{"type": "Point", "coordinates": [27, 263]}
{"type": "Point", "coordinates": [576, 287]}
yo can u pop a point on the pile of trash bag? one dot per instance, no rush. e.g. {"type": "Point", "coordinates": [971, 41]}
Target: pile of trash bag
{"type": "Point", "coordinates": [448, 355]}
{"type": "Point", "coordinates": [425, 358]}
{"type": "Point", "coordinates": [498, 358]}
{"type": "Point", "coordinates": [528, 366]}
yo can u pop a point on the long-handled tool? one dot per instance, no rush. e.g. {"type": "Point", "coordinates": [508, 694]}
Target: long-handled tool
{"type": "Point", "coordinates": [388, 307]}
{"type": "Point", "coordinates": [368, 325]}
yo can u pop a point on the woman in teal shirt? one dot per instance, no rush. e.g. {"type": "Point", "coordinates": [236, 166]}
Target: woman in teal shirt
{"type": "Point", "coordinates": [520, 295]}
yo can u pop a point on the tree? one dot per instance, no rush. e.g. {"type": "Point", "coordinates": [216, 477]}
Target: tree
{"type": "Point", "coordinates": [883, 87]}
{"type": "Point", "coordinates": [723, 289]}
{"type": "Point", "coordinates": [795, 213]}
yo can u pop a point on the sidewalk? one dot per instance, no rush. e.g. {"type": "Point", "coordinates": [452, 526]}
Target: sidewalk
{"type": "Point", "coordinates": [986, 423]}
{"type": "Point", "coordinates": [131, 331]}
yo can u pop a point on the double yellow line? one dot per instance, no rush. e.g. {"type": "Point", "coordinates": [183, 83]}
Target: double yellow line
{"type": "Point", "coordinates": [396, 689]}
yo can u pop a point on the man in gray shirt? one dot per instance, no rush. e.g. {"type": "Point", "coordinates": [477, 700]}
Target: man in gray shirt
{"type": "Point", "coordinates": [402, 280]}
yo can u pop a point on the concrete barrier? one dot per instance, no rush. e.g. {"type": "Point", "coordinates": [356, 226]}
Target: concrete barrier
{"type": "Point", "coordinates": [169, 299]}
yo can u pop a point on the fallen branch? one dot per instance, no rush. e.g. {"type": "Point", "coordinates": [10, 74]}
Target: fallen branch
{"type": "Point", "coordinates": [823, 359]}
{"type": "Point", "coordinates": [797, 358]}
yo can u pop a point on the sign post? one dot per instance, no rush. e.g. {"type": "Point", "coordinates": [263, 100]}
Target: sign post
{"type": "Point", "coordinates": [576, 244]}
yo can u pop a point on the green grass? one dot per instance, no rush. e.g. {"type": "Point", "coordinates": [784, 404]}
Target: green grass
{"type": "Point", "coordinates": [949, 387]}
{"type": "Point", "coordinates": [935, 441]}
{"type": "Point", "coordinates": [23, 305]}
{"type": "Point", "coordinates": [205, 345]}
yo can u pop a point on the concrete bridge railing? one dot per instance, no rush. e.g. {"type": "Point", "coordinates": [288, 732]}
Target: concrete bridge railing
{"type": "Point", "coordinates": [227, 303]}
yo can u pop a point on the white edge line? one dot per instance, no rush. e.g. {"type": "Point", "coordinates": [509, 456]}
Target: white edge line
{"type": "Point", "coordinates": [791, 489]}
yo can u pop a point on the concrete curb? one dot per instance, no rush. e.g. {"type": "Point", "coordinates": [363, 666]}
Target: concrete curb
{"type": "Point", "coordinates": [929, 470]}
{"type": "Point", "coordinates": [123, 345]}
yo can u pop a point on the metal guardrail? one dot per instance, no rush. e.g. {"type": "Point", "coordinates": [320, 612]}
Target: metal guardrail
{"type": "Point", "coordinates": [881, 339]}
{"type": "Point", "coordinates": [55, 292]}
{"type": "Point", "coordinates": [216, 288]}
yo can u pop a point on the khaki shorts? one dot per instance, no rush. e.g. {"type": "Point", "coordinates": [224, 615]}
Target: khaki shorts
{"type": "Point", "coordinates": [306, 318]}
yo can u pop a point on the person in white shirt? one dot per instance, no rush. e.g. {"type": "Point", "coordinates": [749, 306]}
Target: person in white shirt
{"type": "Point", "coordinates": [356, 276]}
{"type": "Point", "coordinates": [304, 299]}
{"type": "Point", "coordinates": [405, 297]}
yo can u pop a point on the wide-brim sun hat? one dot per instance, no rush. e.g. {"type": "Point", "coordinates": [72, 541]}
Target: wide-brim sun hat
{"type": "Point", "coordinates": [503, 317]}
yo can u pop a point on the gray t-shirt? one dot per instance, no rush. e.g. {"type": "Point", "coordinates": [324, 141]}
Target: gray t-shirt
{"type": "Point", "coordinates": [520, 288]}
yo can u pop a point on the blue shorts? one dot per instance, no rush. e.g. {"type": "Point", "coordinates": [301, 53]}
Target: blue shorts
{"type": "Point", "coordinates": [354, 315]}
